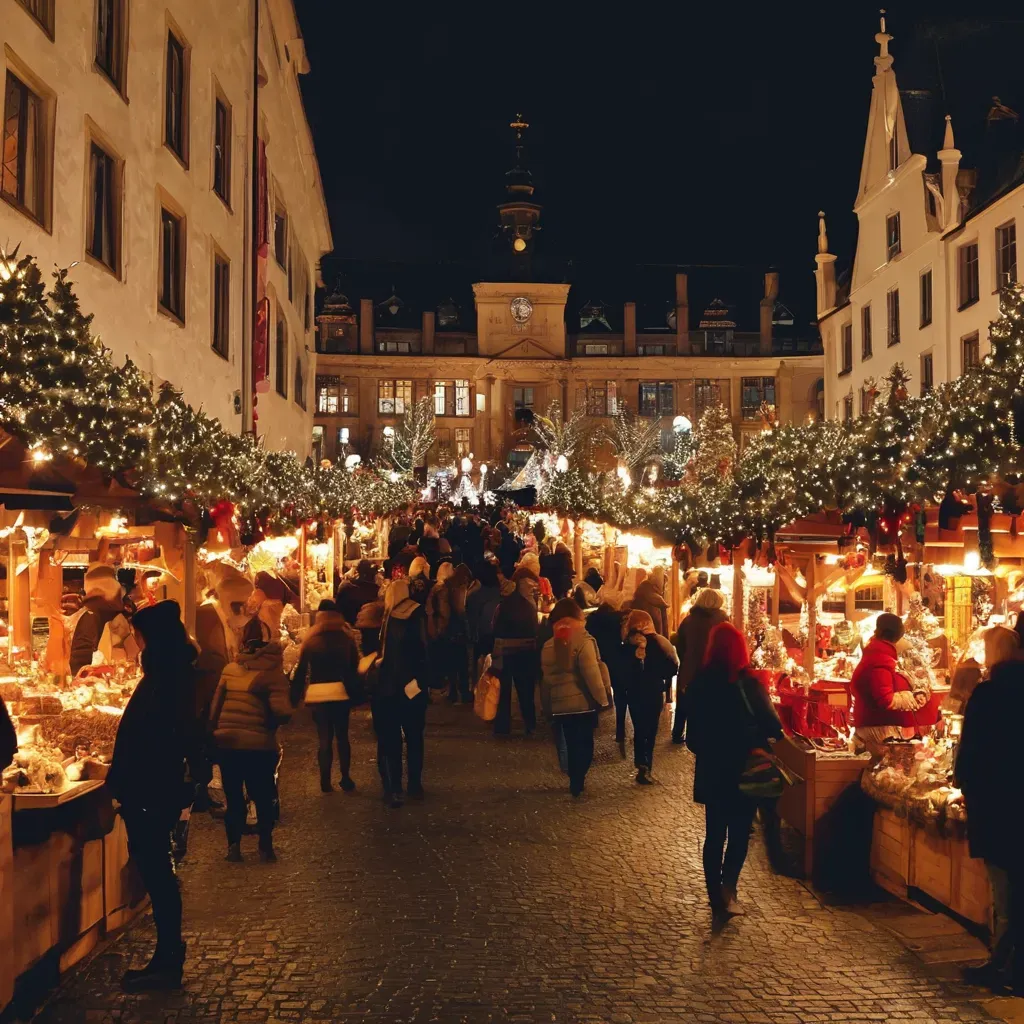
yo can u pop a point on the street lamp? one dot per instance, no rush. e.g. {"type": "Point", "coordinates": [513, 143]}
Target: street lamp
{"type": "Point", "coordinates": [681, 424]}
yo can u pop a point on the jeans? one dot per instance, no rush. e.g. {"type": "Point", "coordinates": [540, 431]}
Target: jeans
{"type": "Point", "coordinates": [558, 734]}
{"type": "Point", "coordinates": [621, 707]}
{"type": "Point", "coordinates": [730, 821]}
{"type": "Point", "coordinates": [519, 669]}
{"type": "Point", "coordinates": [645, 710]}
{"type": "Point", "coordinates": [149, 843]}
{"type": "Point", "coordinates": [249, 773]}
{"type": "Point", "coordinates": [393, 718]}
{"type": "Point", "coordinates": [578, 731]}
{"type": "Point", "coordinates": [1002, 940]}
{"type": "Point", "coordinates": [331, 720]}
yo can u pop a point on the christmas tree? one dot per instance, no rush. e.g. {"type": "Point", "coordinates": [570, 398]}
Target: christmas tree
{"type": "Point", "coordinates": [406, 447]}
{"type": "Point", "coordinates": [559, 436]}
{"type": "Point", "coordinates": [635, 440]}
{"type": "Point", "coordinates": [716, 448]}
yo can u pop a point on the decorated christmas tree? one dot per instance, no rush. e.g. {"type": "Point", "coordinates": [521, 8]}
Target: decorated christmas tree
{"type": "Point", "coordinates": [716, 448]}
{"type": "Point", "coordinates": [560, 437]}
{"type": "Point", "coordinates": [635, 440]}
{"type": "Point", "coordinates": [407, 445]}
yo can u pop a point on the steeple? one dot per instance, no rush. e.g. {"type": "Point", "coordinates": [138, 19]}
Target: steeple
{"type": "Point", "coordinates": [825, 271]}
{"type": "Point", "coordinates": [886, 145]}
{"type": "Point", "coordinates": [949, 157]}
{"type": "Point", "coordinates": [519, 212]}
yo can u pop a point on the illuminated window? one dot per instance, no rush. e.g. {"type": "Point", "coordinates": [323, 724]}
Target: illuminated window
{"type": "Point", "coordinates": [344, 434]}
{"type": "Point", "coordinates": [602, 398]}
{"type": "Point", "coordinates": [463, 442]}
{"type": "Point", "coordinates": [452, 398]}
{"type": "Point", "coordinates": [394, 397]}
{"type": "Point", "coordinates": [327, 394]}
{"type": "Point", "coordinates": [657, 398]}
{"type": "Point", "coordinates": [755, 391]}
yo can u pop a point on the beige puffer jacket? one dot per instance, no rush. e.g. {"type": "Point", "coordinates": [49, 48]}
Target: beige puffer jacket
{"type": "Point", "coordinates": [572, 682]}
{"type": "Point", "coordinates": [251, 701]}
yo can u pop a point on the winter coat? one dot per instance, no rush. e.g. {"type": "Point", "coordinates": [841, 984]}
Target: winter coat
{"type": "Point", "coordinates": [446, 611]}
{"type": "Point", "coordinates": [605, 626]}
{"type": "Point", "coordinates": [721, 731]}
{"type": "Point", "coordinates": [404, 642]}
{"type": "Point", "coordinates": [571, 680]}
{"type": "Point", "coordinates": [157, 735]}
{"type": "Point", "coordinates": [516, 618]}
{"type": "Point", "coordinates": [647, 598]}
{"type": "Point", "coordinates": [691, 642]}
{"type": "Point", "coordinates": [97, 612]}
{"type": "Point", "coordinates": [353, 595]}
{"type": "Point", "coordinates": [252, 700]}
{"type": "Point", "coordinates": [481, 608]}
{"type": "Point", "coordinates": [881, 695]}
{"type": "Point", "coordinates": [328, 662]}
{"type": "Point", "coordinates": [8, 737]}
{"type": "Point", "coordinates": [652, 674]}
{"type": "Point", "coordinates": [984, 769]}
{"type": "Point", "coordinates": [558, 570]}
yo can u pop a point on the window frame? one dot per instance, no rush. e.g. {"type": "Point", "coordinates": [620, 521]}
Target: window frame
{"type": "Point", "coordinates": [401, 391]}
{"type": "Point", "coordinates": [1006, 254]}
{"type": "Point", "coordinates": [927, 297]}
{"type": "Point", "coordinates": [42, 145]}
{"type": "Point", "coordinates": [453, 398]}
{"type": "Point", "coordinates": [846, 349]}
{"type": "Point", "coordinates": [892, 317]}
{"type": "Point", "coordinates": [463, 446]}
{"type": "Point", "coordinates": [968, 275]}
{"type": "Point", "coordinates": [927, 379]}
{"type": "Point", "coordinates": [220, 340]}
{"type": "Point", "coordinates": [114, 183]}
{"type": "Point", "coordinates": [176, 45]}
{"type": "Point", "coordinates": [761, 384]}
{"type": "Point", "coordinates": [893, 236]}
{"type": "Point", "coordinates": [179, 261]}
{"type": "Point", "coordinates": [701, 402]}
{"type": "Point", "coordinates": [281, 350]}
{"type": "Point", "coordinates": [970, 343]}
{"type": "Point", "coordinates": [866, 341]}
{"type": "Point", "coordinates": [222, 150]}
{"type": "Point", "coordinates": [44, 21]}
{"type": "Point", "coordinates": [280, 250]}
{"type": "Point", "coordinates": [663, 390]}
{"type": "Point", "coordinates": [116, 74]}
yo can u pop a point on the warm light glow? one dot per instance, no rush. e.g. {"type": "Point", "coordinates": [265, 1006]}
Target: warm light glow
{"type": "Point", "coordinates": [681, 424]}
{"type": "Point", "coordinates": [561, 464]}
{"type": "Point", "coordinates": [41, 455]}
{"type": "Point", "coordinates": [389, 431]}
{"type": "Point", "coordinates": [483, 469]}
{"type": "Point", "coordinates": [277, 547]}
{"type": "Point", "coordinates": [351, 461]}
{"type": "Point", "coordinates": [972, 561]}
{"type": "Point", "coordinates": [519, 245]}
{"type": "Point", "coordinates": [466, 465]}
{"type": "Point", "coordinates": [117, 527]}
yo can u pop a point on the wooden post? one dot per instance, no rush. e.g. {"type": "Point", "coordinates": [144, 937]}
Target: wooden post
{"type": "Point", "coordinates": [189, 582]}
{"type": "Point", "coordinates": [19, 607]}
{"type": "Point", "coordinates": [812, 617]}
{"type": "Point", "coordinates": [776, 596]}
{"type": "Point", "coordinates": [577, 550]}
{"type": "Point", "coordinates": [851, 602]}
{"type": "Point", "coordinates": [609, 553]}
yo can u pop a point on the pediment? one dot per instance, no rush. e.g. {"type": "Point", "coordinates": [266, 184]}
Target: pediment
{"type": "Point", "coordinates": [525, 348]}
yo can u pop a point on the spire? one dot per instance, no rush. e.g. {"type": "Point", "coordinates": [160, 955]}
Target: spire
{"type": "Point", "coordinates": [822, 236]}
{"type": "Point", "coordinates": [949, 158]}
{"type": "Point", "coordinates": [825, 271]}
{"type": "Point", "coordinates": [947, 138]}
{"type": "Point", "coordinates": [884, 59]}
{"type": "Point", "coordinates": [519, 211]}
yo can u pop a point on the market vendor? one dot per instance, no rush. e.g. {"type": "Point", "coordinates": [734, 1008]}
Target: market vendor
{"type": "Point", "coordinates": [104, 602]}
{"type": "Point", "coordinates": [884, 704]}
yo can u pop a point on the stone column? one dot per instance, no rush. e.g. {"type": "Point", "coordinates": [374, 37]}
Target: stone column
{"type": "Point", "coordinates": [428, 332]}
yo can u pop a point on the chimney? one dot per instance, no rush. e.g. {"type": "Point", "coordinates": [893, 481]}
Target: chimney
{"type": "Point", "coordinates": [771, 293]}
{"type": "Point", "coordinates": [629, 329]}
{"type": "Point", "coordinates": [366, 327]}
{"type": "Point", "coordinates": [682, 316]}
{"type": "Point", "coordinates": [428, 332]}
{"type": "Point", "coordinates": [825, 274]}
{"type": "Point", "coordinates": [949, 157]}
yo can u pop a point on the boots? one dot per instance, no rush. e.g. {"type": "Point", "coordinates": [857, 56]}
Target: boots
{"type": "Point", "coordinates": [643, 777]}
{"type": "Point", "coordinates": [267, 854]}
{"type": "Point", "coordinates": [234, 854]}
{"type": "Point", "coordinates": [325, 772]}
{"type": "Point", "coordinates": [162, 973]}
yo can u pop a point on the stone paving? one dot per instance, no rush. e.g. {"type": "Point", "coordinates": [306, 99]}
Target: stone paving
{"type": "Point", "coordinates": [501, 899]}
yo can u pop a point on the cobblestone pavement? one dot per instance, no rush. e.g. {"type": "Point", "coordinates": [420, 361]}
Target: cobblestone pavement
{"type": "Point", "coordinates": [500, 899]}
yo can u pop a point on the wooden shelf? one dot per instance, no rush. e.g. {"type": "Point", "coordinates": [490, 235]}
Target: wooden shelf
{"type": "Point", "coordinates": [37, 801]}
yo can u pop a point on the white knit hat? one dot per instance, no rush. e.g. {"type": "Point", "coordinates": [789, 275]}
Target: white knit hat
{"type": "Point", "coordinates": [419, 567]}
{"type": "Point", "coordinates": [101, 581]}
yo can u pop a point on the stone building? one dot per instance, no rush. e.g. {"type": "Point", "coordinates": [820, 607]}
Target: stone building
{"type": "Point", "coordinates": [936, 244]}
{"type": "Point", "coordinates": [489, 344]}
{"type": "Point", "coordinates": [128, 152]}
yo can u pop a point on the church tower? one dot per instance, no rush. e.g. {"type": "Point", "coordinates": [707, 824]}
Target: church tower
{"type": "Point", "coordinates": [519, 212]}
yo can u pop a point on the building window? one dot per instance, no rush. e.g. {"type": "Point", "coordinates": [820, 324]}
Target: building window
{"type": "Point", "coordinates": [452, 398]}
{"type": "Point", "coordinates": [706, 393]}
{"type": "Point", "coordinates": [42, 11]}
{"type": "Point", "coordinates": [221, 304]}
{"type": "Point", "coordinates": [110, 37]}
{"type": "Point", "coordinates": [463, 442]}
{"type": "Point", "coordinates": [102, 227]}
{"type": "Point", "coordinates": [892, 310]}
{"type": "Point", "coordinates": [300, 383]}
{"type": "Point", "coordinates": [222, 150]}
{"type": "Point", "coordinates": [522, 398]}
{"type": "Point", "coordinates": [602, 398]}
{"type": "Point", "coordinates": [344, 436]}
{"type": "Point", "coordinates": [927, 373]}
{"type": "Point", "coordinates": [865, 332]}
{"type": "Point", "coordinates": [755, 391]}
{"type": "Point", "coordinates": [307, 297]}
{"type": "Point", "coordinates": [595, 349]}
{"type": "Point", "coordinates": [281, 361]}
{"type": "Point", "coordinates": [280, 235]}
{"type": "Point", "coordinates": [334, 396]}
{"type": "Point", "coordinates": [848, 409]}
{"type": "Point", "coordinates": [847, 349]}
{"type": "Point", "coordinates": [394, 397]}
{"type": "Point", "coordinates": [967, 276]}
{"type": "Point", "coordinates": [291, 276]}
{"type": "Point", "coordinates": [394, 347]}
{"type": "Point", "coordinates": [892, 235]}
{"type": "Point", "coordinates": [23, 174]}
{"type": "Point", "coordinates": [1006, 255]}
{"type": "Point", "coordinates": [318, 443]}
{"type": "Point", "coordinates": [175, 103]}
{"type": "Point", "coordinates": [971, 351]}
{"type": "Point", "coordinates": [867, 400]}
{"type": "Point", "coordinates": [172, 264]}
{"type": "Point", "coordinates": [926, 298]}
{"type": "Point", "coordinates": [657, 398]}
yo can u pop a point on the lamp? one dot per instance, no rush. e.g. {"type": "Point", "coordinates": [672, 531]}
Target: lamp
{"type": "Point", "coordinates": [519, 244]}
{"type": "Point", "coordinates": [681, 424]}
{"type": "Point", "coordinates": [561, 464]}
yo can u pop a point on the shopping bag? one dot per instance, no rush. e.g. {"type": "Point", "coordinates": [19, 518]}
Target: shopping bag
{"type": "Point", "coordinates": [485, 700]}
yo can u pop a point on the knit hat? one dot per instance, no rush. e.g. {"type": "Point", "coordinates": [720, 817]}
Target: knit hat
{"type": "Point", "coordinates": [444, 571]}
{"type": "Point", "coordinates": [419, 567]}
{"type": "Point", "coordinates": [366, 570]}
{"type": "Point", "coordinates": [230, 585]}
{"type": "Point", "coordinates": [726, 651]}
{"type": "Point", "coordinates": [101, 581]}
{"type": "Point", "coordinates": [530, 562]}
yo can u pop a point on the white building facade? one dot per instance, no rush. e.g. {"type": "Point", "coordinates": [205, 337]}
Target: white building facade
{"type": "Point", "coordinates": [128, 153]}
{"type": "Point", "coordinates": [933, 254]}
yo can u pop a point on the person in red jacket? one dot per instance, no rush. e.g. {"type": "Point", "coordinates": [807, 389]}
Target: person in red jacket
{"type": "Point", "coordinates": [883, 702]}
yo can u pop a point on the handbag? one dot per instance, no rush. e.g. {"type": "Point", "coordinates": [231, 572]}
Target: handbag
{"type": "Point", "coordinates": [762, 778]}
{"type": "Point", "coordinates": [369, 676]}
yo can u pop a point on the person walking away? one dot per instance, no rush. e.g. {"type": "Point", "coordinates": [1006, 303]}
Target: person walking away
{"type": "Point", "coordinates": [649, 597]}
{"type": "Point", "coordinates": [995, 803]}
{"type": "Point", "coordinates": [481, 607]}
{"type": "Point", "coordinates": [446, 628]}
{"type": "Point", "coordinates": [884, 706]}
{"type": "Point", "coordinates": [353, 594]}
{"type": "Point", "coordinates": [399, 704]}
{"type": "Point", "coordinates": [326, 675]}
{"type": "Point", "coordinates": [573, 688]}
{"type": "Point", "coordinates": [159, 733]}
{"type": "Point", "coordinates": [729, 715]}
{"type": "Point", "coordinates": [691, 641]}
{"type": "Point", "coordinates": [648, 664]}
{"type": "Point", "coordinates": [515, 652]}
{"type": "Point", "coordinates": [252, 700]}
{"type": "Point", "coordinates": [606, 626]}
{"type": "Point", "coordinates": [558, 569]}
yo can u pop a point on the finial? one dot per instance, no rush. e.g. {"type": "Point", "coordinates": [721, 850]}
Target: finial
{"type": "Point", "coordinates": [947, 138]}
{"type": "Point", "coordinates": [884, 59]}
{"type": "Point", "coordinates": [519, 124]}
{"type": "Point", "coordinates": [882, 18]}
{"type": "Point", "coordinates": [822, 236]}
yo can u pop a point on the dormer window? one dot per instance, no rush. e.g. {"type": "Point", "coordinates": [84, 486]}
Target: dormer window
{"type": "Point", "coordinates": [593, 314]}
{"type": "Point", "coordinates": [892, 235]}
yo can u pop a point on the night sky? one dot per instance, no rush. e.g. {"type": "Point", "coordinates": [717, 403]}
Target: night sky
{"type": "Point", "coordinates": [682, 133]}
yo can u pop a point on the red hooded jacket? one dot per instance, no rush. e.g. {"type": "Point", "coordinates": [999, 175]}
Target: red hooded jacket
{"type": "Point", "coordinates": [874, 682]}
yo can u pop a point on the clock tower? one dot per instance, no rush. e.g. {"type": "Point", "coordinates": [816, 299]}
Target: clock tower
{"type": "Point", "coordinates": [519, 212]}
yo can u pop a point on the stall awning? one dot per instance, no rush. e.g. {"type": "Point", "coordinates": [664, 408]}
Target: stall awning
{"type": "Point", "coordinates": [17, 499]}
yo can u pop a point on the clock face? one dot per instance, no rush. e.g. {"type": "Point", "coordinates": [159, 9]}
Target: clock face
{"type": "Point", "coordinates": [521, 309]}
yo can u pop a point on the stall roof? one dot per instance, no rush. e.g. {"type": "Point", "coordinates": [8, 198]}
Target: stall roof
{"type": "Point", "coordinates": [18, 499]}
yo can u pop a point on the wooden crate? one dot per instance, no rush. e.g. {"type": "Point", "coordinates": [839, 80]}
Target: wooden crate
{"type": "Point", "coordinates": [972, 890]}
{"type": "Point", "coordinates": [931, 865]}
{"type": "Point", "coordinates": [890, 851]}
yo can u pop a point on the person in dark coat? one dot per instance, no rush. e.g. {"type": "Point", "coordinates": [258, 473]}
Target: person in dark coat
{"type": "Point", "coordinates": [557, 568]}
{"type": "Point", "coordinates": [353, 594]}
{"type": "Point", "coordinates": [649, 597]}
{"type": "Point", "coordinates": [729, 714]}
{"type": "Point", "coordinates": [605, 625]}
{"type": "Point", "coordinates": [995, 804]}
{"type": "Point", "coordinates": [8, 737]}
{"type": "Point", "coordinates": [516, 657]}
{"type": "Point", "coordinates": [399, 704]}
{"type": "Point", "coordinates": [481, 607]}
{"type": "Point", "coordinates": [648, 663]}
{"type": "Point", "coordinates": [158, 734]}
{"type": "Point", "coordinates": [691, 640]}
{"type": "Point", "coordinates": [328, 669]}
